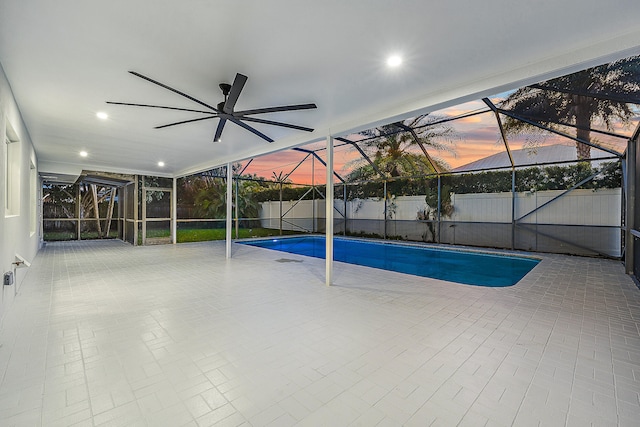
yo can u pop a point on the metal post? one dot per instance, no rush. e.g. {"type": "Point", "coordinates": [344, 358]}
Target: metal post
{"type": "Point", "coordinates": [439, 203]}
{"type": "Point", "coordinates": [314, 224]}
{"type": "Point", "coordinates": [174, 212]}
{"type": "Point", "coordinates": [630, 192]}
{"type": "Point", "coordinates": [344, 214]}
{"type": "Point", "coordinates": [281, 207]}
{"type": "Point", "coordinates": [120, 198]}
{"type": "Point", "coordinates": [135, 211]}
{"type": "Point", "coordinates": [384, 234]}
{"type": "Point", "coordinates": [513, 208]}
{"type": "Point", "coordinates": [122, 207]}
{"type": "Point", "coordinates": [229, 211]}
{"type": "Point", "coordinates": [78, 210]}
{"type": "Point", "coordinates": [623, 209]}
{"type": "Point", "coordinates": [329, 214]}
{"type": "Point", "coordinates": [144, 212]}
{"type": "Point", "coordinates": [237, 210]}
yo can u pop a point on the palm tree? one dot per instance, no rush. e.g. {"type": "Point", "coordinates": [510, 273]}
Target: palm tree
{"type": "Point", "coordinates": [211, 200]}
{"type": "Point", "coordinates": [566, 100]}
{"type": "Point", "coordinates": [207, 194]}
{"type": "Point", "coordinates": [392, 150]}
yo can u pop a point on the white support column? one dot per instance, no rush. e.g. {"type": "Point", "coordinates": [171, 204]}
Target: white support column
{"type": "Point", "coordinates": [229, 206]}
{"type": "Point", "coordinates": [329, 214]}
{"type": "Point", "coordinates": [174, 212]}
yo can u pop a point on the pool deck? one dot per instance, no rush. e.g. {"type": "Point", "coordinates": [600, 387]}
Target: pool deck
{"type": "Point", "coordinates": [103, 333]}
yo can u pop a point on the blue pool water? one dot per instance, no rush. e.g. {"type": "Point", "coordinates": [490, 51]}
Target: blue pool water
{"type": "Point", "coordinates": [470, 268]}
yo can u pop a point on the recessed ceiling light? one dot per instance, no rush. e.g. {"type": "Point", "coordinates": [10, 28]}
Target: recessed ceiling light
{"type": "Point", "coordinates": [83, 154]}
{"type": "Point", "coordinates": [102, 115]}
{"type": "Point", "coordinates": [161, 164]}
{"type": "Point", "coordinates": [394, 61]}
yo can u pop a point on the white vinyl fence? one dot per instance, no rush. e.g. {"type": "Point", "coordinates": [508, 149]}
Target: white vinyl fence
{"type": "Point", "coordinates": [583, 221]}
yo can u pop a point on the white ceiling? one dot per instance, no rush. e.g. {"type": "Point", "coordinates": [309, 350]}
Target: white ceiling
{"type": "Point", "coordinates": [65, 58]}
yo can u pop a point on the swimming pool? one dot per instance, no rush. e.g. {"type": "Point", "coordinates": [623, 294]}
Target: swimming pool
{"type": "Point", "coordinates": [471, 268]}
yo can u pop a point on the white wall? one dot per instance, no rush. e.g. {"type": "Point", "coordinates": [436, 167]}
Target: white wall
{"type": "Point", "coordinates": [16, 236]}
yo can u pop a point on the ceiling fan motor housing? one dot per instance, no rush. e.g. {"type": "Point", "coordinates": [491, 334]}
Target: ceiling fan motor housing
{"type": "Point", "coordinates": [225, 88]}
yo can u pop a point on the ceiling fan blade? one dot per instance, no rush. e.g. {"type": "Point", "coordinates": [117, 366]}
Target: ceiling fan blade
{"type": "Point", "coordinates": [185, 121]}
{"type": "Point", "coordinates": [250, 129]}
{"type": "Point", "coordinates": [234, 93]}
{"type": "Point", "coordinates": [276, 109]}
{"type": "Point", "coordinates": [269, 122]}
{"type": "Point", "coordinates": [173, 90]}
{"type": "Point", "coordinates": [158, 106]}
{"type": "Point", "coordinates": [221, 124]}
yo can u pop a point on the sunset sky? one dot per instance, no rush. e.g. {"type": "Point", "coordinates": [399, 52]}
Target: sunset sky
{"type": "Point", "coordinates": [476, 137]}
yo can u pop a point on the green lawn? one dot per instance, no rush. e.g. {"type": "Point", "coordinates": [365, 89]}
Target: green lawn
{"type": "Point", "coordinates": [202, 235]}
{"type": "Point", "coordinates": [185, 235]}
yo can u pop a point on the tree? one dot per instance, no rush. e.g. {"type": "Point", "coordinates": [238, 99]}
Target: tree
{"type": "Point", "coordinates": [566, 101]}
{"type": "Point", "coordinates": [210, 201]}
{"type": "Point", "coordinates": [61, 201]}
{"type": "Point", "coordinates": [206, 193]}
{"type": "Point", "coordinates": [394, 153]}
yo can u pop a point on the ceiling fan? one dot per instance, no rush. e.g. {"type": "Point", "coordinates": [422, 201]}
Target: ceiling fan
{"type": "Point", "coordinates": [224, 110]}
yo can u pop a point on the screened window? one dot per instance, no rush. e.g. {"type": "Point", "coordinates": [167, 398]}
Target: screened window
{"type": "Point", "coordinates": [33, 200]}
{"type": "Point", "coordinates": [12, 178]}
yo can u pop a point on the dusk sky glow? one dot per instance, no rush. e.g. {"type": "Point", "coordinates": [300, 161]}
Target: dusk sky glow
{"type": "Point", "coordinates": [476, 137]}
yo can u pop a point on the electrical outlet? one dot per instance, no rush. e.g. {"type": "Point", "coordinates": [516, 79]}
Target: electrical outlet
{"type": "Point", "coordinates": [8, 278]}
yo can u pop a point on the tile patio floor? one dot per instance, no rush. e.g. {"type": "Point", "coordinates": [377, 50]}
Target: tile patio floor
{"type": "Point", "coordinates": [103, 333]}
